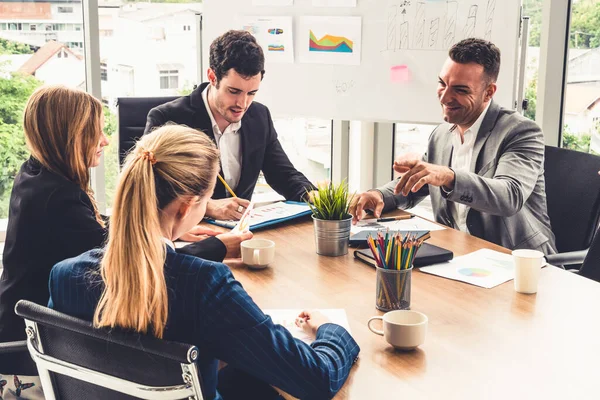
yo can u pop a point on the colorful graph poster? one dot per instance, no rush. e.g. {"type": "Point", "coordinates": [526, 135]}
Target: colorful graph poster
{"type": "Point", "coordinates": [273, 3]}
{"type": "Point", "coordinates": [274, 34]}
{"type": "Point", "coordinates": [334, 3]}
{"type": "Point", "coordinates": [330, 40]}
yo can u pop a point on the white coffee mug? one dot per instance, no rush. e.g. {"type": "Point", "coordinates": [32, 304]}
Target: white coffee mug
{"type": "Point", "coordinates": [257, 253]}
{"type": "Point", "coordinates": [403, 329]}
{"type": "Point", "coordinates": [528, 264]}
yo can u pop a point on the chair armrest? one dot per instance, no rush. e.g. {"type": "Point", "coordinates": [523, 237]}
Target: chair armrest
{"type": "Point", "coordinates": [13, 347]}
{"type": "Point", "coordinates": [571, 257]}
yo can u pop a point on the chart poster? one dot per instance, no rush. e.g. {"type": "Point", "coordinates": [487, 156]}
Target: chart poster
{"type": "Point", "coordinates": [330, 40]}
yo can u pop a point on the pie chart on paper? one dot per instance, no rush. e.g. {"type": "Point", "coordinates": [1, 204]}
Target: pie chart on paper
{"type": "Point", "coordinates": [475, 272]}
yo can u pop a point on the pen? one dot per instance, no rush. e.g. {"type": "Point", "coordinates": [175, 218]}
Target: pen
{"type": "Point", "coordinates": [226, 185]}
{"type": "Point", "coordinates": [398, 218]}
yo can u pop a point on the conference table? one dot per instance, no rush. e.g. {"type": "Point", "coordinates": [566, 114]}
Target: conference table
{"type": "Point", "coordinates": [481, 343]}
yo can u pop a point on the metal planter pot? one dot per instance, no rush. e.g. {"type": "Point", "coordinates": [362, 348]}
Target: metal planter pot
{"type": "Point", "coordinates": [331, 237]}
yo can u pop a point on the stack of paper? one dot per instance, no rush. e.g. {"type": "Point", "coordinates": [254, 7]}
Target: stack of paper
{"type": "Point", "coordinates": [412, 224]}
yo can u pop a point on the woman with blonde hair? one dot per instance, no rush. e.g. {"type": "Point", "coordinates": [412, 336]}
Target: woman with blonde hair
{"type": "Point", "coordinates": [163, 189]}
{"type": "Point", "coordinates": [52, 213]}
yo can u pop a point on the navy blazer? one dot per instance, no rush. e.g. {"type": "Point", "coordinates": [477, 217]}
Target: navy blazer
{"type": "Point", "coordinates": [260, 147]}
{"type": "Point", "coordinates": [210, 309]}
{"type": "Point", "coordinates": [51, 219]}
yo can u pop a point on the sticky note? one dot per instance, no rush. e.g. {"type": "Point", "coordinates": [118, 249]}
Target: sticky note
{"type": "Point", "coordinates": [399, 74]}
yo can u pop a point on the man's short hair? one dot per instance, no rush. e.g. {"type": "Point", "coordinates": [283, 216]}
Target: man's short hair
{"type": "Point", "coordinates": [238, 50]}
{"type": "Point", "coordinates": [479, 51]}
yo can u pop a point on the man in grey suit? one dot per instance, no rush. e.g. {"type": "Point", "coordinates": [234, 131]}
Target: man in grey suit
{"type": "Point", "coordinates": [484, 167]}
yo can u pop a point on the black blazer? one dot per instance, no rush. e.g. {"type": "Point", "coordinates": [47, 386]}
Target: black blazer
{"type": "Point", "coordinates": [260, 147]}
{"type": "Point", "coordinates": [52, 219]}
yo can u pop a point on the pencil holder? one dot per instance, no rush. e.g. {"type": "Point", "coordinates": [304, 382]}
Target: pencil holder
{"type": "Point", "coordinates": [392, 289]}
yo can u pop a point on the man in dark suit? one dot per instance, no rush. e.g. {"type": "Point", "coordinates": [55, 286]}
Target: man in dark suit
{"type": "Point", "coordinates": [243, 130]}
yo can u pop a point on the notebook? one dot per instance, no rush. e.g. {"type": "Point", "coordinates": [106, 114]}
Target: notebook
{"type": "Point", "coordinates": [360, 239]}
{"type": "Point", "coordinates": [269, 214]}
{"type": "Point", "coordinates": [428, 254]}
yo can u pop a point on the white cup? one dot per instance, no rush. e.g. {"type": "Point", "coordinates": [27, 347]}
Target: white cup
{"type": "Point", "coordinates": [257, 253]}
{"type": "Point", "coordinates": [403, 329]}
{"type": "Point", "coordinates": [528, 264]}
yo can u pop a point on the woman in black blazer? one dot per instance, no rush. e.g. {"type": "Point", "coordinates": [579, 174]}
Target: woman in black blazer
{"type": "Point", "coordinates": [52, 214]}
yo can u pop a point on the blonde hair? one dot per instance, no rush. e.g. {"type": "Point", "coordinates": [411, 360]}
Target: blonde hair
{"type": "Point", "coordinates": [171, 162]}
{"type": "Point", "coordinates": [62, 131]}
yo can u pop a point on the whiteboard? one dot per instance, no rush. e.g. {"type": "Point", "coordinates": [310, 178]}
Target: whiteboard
{"type": "Point", "coordinates": [397, 36]}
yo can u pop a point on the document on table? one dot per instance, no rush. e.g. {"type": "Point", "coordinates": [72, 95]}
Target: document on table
{"type": "Point", "coordinates": [412, 224]}
{"type": "Point", "coordinates": [485, 268]}
{"type": "Point", "coordinates": [287, 319]}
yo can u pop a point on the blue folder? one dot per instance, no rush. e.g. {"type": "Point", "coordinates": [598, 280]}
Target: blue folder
{"type": "Point", "coordinates": [265, 224]}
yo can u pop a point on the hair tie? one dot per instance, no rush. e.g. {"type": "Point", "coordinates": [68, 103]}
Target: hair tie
{"type": "Point", "coordinates": [148, 155]}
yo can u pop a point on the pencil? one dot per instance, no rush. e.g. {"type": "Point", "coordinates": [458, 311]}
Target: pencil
{"type": "Point", "coordinates": [226, 185]}
{"type": "Point", "coordinates": [398, 218]}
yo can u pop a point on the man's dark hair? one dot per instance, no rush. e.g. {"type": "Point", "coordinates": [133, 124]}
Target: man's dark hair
{"type": "Point", "coordinates": [238, 50]}
{"type": "Point", "coordinates": [478, 51]}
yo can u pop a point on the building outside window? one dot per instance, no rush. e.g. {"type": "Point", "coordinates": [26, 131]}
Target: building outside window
{"type": "Point", "coordinates": [169, 79]}
{"type": "Point", "coordinates": [103, 72]}
{"type": "Point", "coordinates": [65, 10]}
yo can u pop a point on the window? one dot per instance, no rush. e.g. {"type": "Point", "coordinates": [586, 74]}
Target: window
{"type": "Point", "coordinates": [77, 28]}
{"type": "Point", "coordinates": [103, 72]}
{"type": "Point", "coordinates": [581, 130]}
{"type": "Point", "coordinates": [49, 27]}
{"type": "Point", "coordinates": [16, 89]}
{"type": "Point", "coordinates": [135, 76]}
{"type": "Point", "coordinates": [187, 28]}
{"type": "Point", "coordinates": [65, 10]}
{"type": "Point", "coordinates": [169, 79]}
{"type": "Point", "coordinates": [3, 26]}
{"type": "Point", "coordinates": [411, 141]}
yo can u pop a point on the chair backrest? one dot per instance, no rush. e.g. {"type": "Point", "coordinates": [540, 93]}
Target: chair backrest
{"type": "Point", "coordinates": [132, 113]}
{"type": "Point", "coordinates": [77, 361]}
{"type": "Point", "coordinates": [573, 196]}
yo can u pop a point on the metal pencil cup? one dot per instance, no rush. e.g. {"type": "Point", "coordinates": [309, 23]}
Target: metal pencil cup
{"type": "Point", "coordinates": [392, 289]}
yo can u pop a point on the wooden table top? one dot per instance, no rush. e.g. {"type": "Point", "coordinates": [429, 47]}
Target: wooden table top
{"type": "Point", "coordinates": [481, 343]}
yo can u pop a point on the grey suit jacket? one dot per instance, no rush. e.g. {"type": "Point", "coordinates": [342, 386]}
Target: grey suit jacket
{"type": "Point", "coordinates": [504, 187]}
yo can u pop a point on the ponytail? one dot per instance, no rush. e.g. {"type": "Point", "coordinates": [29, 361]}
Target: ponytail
{"type": "Point", "coordinates": [170, 162]}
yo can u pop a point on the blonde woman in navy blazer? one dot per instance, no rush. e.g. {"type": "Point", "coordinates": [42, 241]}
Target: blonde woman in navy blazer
{"type": "Point", "coordinates": [163, 190]}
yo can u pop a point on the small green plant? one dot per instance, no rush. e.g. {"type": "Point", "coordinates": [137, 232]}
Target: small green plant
{"type": "Point", "coordinates": [331, 202]}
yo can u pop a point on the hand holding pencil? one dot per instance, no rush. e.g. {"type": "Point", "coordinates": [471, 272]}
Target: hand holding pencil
{"type": "Point", "coordinates": [229, 209]}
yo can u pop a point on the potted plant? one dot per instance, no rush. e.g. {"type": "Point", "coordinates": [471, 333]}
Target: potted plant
{"type": "Point", "coordinates": [331, 218]}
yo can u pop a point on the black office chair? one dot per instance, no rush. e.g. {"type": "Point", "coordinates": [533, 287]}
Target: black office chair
{"type": "Point", "coordinates": [591, 264]}
{"type": "Point", "coordinates": [573, 197]}
{"type": "Point", "coordinates": [76, 361]}
{"type": "Point", "coordinates": [132, 113]}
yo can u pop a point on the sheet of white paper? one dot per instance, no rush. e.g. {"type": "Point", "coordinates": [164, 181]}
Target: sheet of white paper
{"type": "Point", "coordinates": [485, 268]}
{"type": "Point", "coordinates": [261, 199]}
{"type": "Point", "coordinates": [330, 40]}
{"type": "Point", "coordinates": [274, 34]}
{"type": "Point", "coordinates": [287, 319]}
{"type": "Point", "coordinates": [413, 224]}
{"type": "Point", "coordinates": [334, 3]}
{"type": "Point", "coordinates": [275, 3]}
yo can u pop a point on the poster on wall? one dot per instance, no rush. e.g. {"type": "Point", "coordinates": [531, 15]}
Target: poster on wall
{"type": "Point", "coordinates": [329, 40]}
{"type": "Point", "coordinates": [274, 3]}
{"type": "Point", "coordinates": [274, 34]}
{"type": "Point", "coordinates": [334, 3]}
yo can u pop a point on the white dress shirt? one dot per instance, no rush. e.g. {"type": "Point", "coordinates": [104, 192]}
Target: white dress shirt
{"type": "Point", "coordinates": [462, 154]}
{"type": "Point", "coordinates": [229, 145]}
